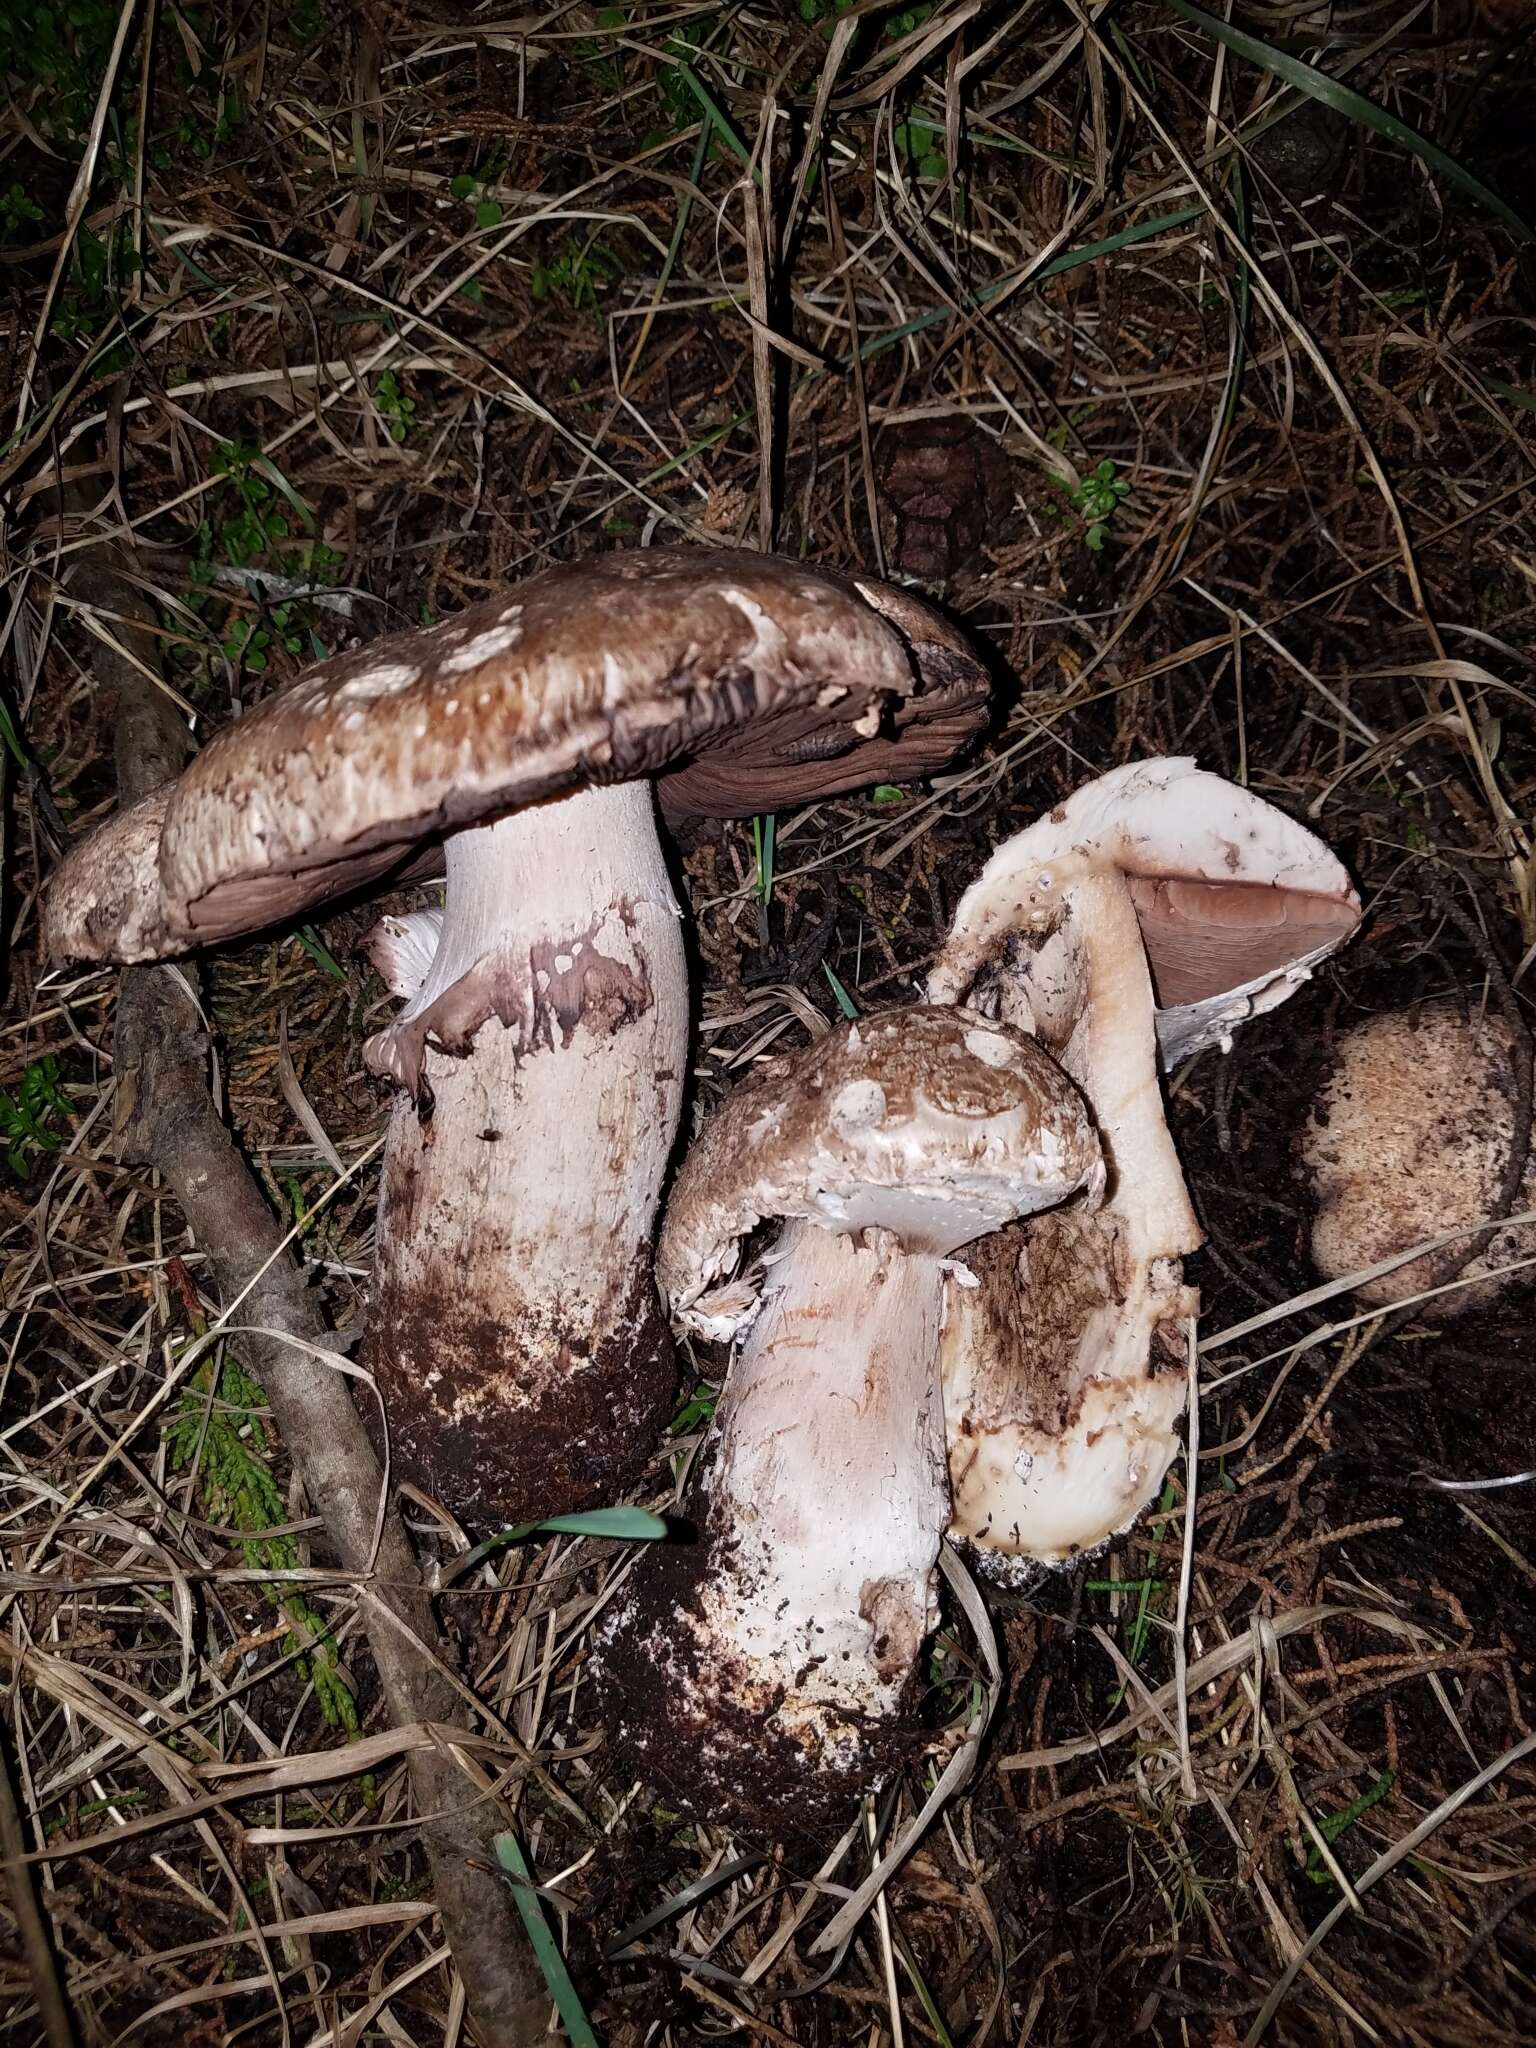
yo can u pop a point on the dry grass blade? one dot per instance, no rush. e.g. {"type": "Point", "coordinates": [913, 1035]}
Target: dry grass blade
{"type": "Point", "coordinates": [1387, 1861]}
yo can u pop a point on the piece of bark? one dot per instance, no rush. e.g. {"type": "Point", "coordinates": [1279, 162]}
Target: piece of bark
{"type": "Point", "coordinates": [165, 1118]}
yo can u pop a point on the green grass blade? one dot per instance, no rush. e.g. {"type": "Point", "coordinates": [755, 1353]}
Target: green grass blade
{"type": "Point", "coordinates": [13, 741]}
{"type": "Point", "coordinates": [636, 1525]}
{"type": "Point", "coordinates": [1355, 106]}
{"type": "Point", "coordinates": [546, 1952]}
{"type": "Point", "coordinates": [763, 832]}
{"type": "Point", "coordinates": [264, 466]}
{"type": "Point", "coordinates": [1069, 259]}
{"type": "Point", "coordinates": [845, 1001]}
{"type": "Point", "coordinates": [714, 112]}
{"type": "Point", "coordinates": [624, 1525]}
{"type": "Point", "coordinates": [679, 1902]}
{"type": "Point", "coordinates": [320, 952]}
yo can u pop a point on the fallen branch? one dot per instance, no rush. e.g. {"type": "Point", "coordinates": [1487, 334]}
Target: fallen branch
{"type": "Point", "coordinates": [165, 1118]}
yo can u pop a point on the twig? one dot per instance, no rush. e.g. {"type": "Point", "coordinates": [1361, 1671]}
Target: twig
{"type": "Point", "coordinates": [58, 2028]}
{"type": "Point", "coordinates": [166, 1119]}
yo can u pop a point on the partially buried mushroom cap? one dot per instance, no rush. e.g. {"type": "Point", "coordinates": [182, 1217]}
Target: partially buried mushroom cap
{"type": "Point", "coordinates": [765, 1672]}
{"type": "Point", "coordinates": [1411, 1135]}
{"type": "Point", "coordinates": [514, 1328]}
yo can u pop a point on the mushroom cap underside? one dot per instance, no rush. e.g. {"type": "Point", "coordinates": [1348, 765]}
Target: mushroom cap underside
{"type": "Point", "coordinates": [937, 1125]}
{"type": "Point", "coordinates": [1235, 901]}
{"type": "Point", "coordinates": [796, 757]}
{"type": "Point", "coordinates": [592, 672]}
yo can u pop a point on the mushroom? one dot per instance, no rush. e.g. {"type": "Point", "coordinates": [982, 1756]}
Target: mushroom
{"type": "Point", "coordinates": [766, 1668]}
{"type": "Point", "coordinates": [1148, 914]}
{"type": "Point", "coordinates": [1415, 1131]}
{"type": "Point", "coordinates": [514, 1328]}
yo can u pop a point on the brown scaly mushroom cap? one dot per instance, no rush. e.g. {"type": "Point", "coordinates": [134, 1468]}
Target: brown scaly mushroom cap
{"type": "Point", "coordinates": [593, 672]}
{"type": "Point", "coordinates": [105, 901]}
{"type": "Point", "coordinates": [932, 1124]}
{"type": "Point", "coordinates": [1148, 915]}
{"type": "Point", "coordinates": [766, 1669]}
{"type": "Point", "coordinates": [514, 1328]}
{"type": "Point", "coordinates": [1411, 1135]}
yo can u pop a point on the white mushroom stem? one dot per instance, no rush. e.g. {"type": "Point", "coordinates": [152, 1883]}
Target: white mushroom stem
{"type": "Point", "coordinates": [1061, 1425]}
{"type": "Point", "coordinates": [515, 1330]}
{"type": "Point", "coordinates": [828, 1498]}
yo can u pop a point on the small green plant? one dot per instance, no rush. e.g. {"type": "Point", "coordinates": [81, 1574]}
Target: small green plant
{"type": "Point", "coordinates": [16, 211]}
{"type": "Point", "coordinates": [27, 1118]}
{"type": "Point", "coordinates": [901, 21]}
{"type": "Point", "coordinates": [52, 56]}
{"type": "Point", "coordinates": [97, 267]}
{"type": "Point", "coordinates": [249, 521]}
{"type": "Point", "coordinates": [698, 1408]}
{"type": "Point", "coordinates": [487, 212]}
{"type": "Point", "coordinates": [1139, 1626]}
{"type": "Point", "coordinates": [248, 644]}
{"type": "Point", "coordinates": [578, 276]}
{"type": "Point", "coordinates": [1136, 1622]}
{"type": "Point", "coordinates": [948, 1677]}
{"type": "Point", "coordinates": [918, 142]}
{"type": "Point", "coordinates": [217, 1432]}
{"type": "Point", "coordinates": [605, 64]}
{"type": "Point", "coordinates": [397, 411]}
{"type": "Point", "coordinates": [1096, 500]}
{"type": "Point", "coordinates": [308, 20]}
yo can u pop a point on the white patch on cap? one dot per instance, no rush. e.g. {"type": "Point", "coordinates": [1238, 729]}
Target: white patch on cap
{"type": "Point", "coordinates": [990, 1047]}
{"type": "Point", "coordinates": [613, 679]}
{"type": "Point", "coordinates": [767, 633]}
{"type": "Point", "coordinates": [380, 682]}
{"type": "Point", "coordinates": [858, 1107]}
{"type": "Point", "coordinates": [486, 646]}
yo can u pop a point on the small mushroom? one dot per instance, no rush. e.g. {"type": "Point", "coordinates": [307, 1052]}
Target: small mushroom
{"type": "Point", "coordinates": [1146, 916]}
{"type": "Point", "coordinates": [946, 488]}
{"type": "Point", "coordinates": [1412, 1135]}
{"type": "Point", "coordinates": [765, 1670]}
{"type": "Point", "coordinates": [514, 1328]}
